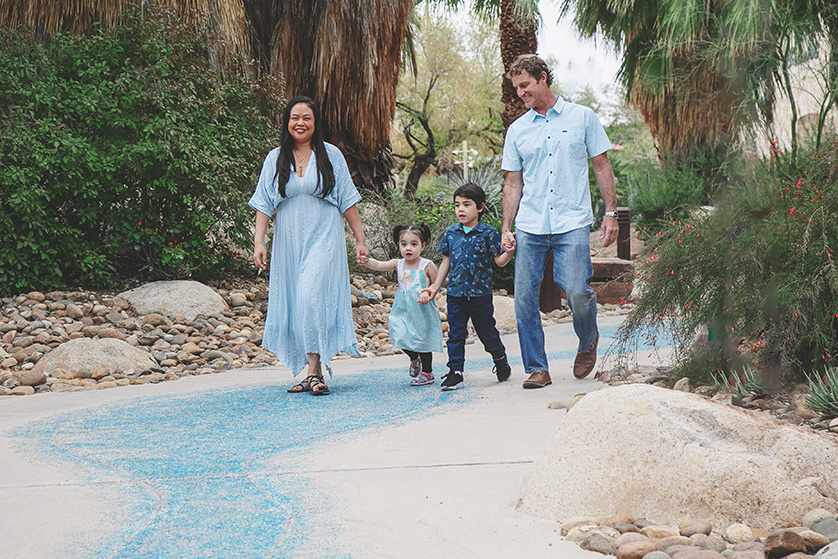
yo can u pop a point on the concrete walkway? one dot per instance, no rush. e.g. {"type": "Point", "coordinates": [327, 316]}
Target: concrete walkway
{"type": "Point", "coordinates": [230, 465]}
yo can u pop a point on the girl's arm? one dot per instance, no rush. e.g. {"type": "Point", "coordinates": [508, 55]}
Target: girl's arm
{"type": "Point", "coordinates": [353, 218]}
{"type": "Point", "coordinates": [260, 256]}
{"type": "Point", "coordinates": [433, 289]}
{"type": "Point", "coordinates": [431, 272]}
{"type": "Point", "coordinates": [374, 264]}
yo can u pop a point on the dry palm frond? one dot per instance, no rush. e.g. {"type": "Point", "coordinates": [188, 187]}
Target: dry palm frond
{"type": "Point", "coordinates": [346, 55]}
{"type": "Point", "coordinates": [225, 20]}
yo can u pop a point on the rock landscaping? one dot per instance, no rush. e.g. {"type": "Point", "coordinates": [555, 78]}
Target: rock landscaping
{"type": "Point", "coordinates": [83, 340]}
{"type": "Point", "coordinates": [638, 538]}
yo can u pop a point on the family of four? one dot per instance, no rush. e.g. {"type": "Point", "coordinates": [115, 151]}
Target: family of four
{"type": "Point", "coordinates": [306, 186]}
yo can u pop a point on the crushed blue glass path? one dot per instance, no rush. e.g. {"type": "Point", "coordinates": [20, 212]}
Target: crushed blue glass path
{"type": "Point", "coordinates": [221, 472]}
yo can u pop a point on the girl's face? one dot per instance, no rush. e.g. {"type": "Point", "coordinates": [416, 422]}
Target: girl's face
{"type": "Point", "coordinates": [410, 245]}
{"type": "Point", "coordinates": [301, 123]}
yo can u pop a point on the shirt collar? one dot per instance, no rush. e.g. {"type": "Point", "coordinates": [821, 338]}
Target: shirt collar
{"type": "Point", "coordinates": [556, 108]}
{"type": "Point", "coordinates": [479, 227]}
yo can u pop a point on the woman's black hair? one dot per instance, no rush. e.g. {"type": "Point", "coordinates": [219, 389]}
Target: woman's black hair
{"type": "Point", "coordinates": [285, 162]}
{"type": "Point", "coordinates": [423, 230]}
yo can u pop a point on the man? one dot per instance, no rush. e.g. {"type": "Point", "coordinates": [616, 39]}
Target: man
{"type": "Point", "coordinates": [546, 195]}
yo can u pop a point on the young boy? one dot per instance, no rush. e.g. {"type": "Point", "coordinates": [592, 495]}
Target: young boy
{"type": "Point", "coordinates": [468, 248]}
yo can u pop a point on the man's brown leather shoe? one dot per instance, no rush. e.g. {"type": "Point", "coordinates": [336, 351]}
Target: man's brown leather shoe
{"type": "Point", "coordinates": [585, 360]}
{"type": "Point", "coordinates": [538, 379]}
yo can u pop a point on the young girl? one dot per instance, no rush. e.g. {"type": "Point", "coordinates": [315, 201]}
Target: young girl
{"type": "Point", "coordinates": [414, 318]}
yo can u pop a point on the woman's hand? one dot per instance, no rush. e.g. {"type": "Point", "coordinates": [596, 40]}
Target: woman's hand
{"type": "Point", "coordinates": [260, 256]}
{"type": "Point", "coordinates": [362, 253]}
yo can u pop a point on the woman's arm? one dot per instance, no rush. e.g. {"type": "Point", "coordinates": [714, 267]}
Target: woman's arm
{"type": "Point", "coordinates": [353, 218]}
{"type": "Point", "coordinates": [259, 253]}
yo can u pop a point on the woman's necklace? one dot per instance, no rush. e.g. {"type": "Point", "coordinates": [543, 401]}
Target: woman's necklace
{"type": "Point", "coordinates": [301, 162]}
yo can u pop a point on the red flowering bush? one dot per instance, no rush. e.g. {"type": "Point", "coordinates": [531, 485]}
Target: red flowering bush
{"type": "Point", "coordinates": [758, 273]}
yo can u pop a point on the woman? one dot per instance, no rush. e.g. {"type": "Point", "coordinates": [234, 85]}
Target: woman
{"type": "Point", "coordinates": [306, 183]}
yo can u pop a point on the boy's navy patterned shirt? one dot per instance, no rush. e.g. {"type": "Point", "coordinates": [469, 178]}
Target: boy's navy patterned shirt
{"type": "Point", "coordinates": [471, 255]}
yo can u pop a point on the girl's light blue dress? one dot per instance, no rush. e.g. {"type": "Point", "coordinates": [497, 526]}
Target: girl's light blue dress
{"type": "Point", "coordinates": [309, 303]}
{"type": "Point", "coordinates": [414, 326]}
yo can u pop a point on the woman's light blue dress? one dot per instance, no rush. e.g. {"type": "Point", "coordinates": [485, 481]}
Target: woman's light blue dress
{"type": "Point", "coordinates": [414, 326]}
{"type": "Point", "coordinates": [309, 303]}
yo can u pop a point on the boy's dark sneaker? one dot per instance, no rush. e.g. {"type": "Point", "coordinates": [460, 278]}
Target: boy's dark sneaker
{"type": "Point", "coordinates": [453, 381]}
{"type": "Point", "coordinates": [502, 369]}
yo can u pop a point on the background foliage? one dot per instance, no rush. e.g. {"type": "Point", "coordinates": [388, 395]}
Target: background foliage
{"type": "Point", "coordinates": [758, 274]}
{"type": "Point", "coordinates": [125, 152]}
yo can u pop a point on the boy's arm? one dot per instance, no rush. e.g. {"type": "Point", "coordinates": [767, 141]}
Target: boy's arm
{"type": "Point", "coordinates": [433, 289]}
{"type": "Point", "coordinates": [380, 266]}
{"type": "Point", "coordinates": [504, 257]}
{"type": "Point", "coordinates": [431, 272]}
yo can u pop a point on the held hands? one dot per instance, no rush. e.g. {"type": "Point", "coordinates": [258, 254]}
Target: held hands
{"type": "Point", "coordinates": [507, 242]}
{"type": "Point", "coordinates": [608, 231]}
{"type": "Point", "coordinates": [428, 295]}
{"type": "Point", "coordinates": [260, 256]}
{"type": "Point", "coordinates": [362, 254]}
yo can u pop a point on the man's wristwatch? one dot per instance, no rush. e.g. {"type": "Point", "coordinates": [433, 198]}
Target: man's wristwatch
{"type": "Point", "coordinates": [610, 214]}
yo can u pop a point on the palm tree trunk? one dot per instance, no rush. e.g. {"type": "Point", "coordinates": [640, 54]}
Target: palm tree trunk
{"type": "Point", "coordinates": [518, 35]}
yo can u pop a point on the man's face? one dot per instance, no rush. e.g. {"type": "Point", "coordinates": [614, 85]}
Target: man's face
{"type": "Point", "coordinates": [532, 91]}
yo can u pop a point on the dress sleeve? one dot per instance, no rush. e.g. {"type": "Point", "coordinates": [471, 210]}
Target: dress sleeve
{"type": "Point", "coordinates": [265, 197]}
{"type": "Point", "coordinates": [344, 195]}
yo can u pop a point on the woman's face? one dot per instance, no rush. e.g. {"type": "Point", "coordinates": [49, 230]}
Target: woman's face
{"type": "Point", "coordinates": [301, 123]}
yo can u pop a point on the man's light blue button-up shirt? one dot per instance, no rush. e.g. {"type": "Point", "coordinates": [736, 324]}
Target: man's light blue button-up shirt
{"type": "Point", "coordinates": [553, 150]}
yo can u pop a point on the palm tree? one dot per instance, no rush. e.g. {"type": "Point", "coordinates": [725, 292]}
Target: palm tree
{"type": "Point", "coordinates": [345, 55]}
{"type": "Point", "coordinates": [518, 26]}
{"type": "Point", "coordinates": [694, 68]}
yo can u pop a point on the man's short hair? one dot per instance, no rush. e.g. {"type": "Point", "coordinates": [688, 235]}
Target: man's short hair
{"type": "Point", "coordinates": [531, 64]}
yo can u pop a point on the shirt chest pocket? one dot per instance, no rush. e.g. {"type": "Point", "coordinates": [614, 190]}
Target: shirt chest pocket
{"type": "Point", "coordinates": [572, 143]}
{"type": "Point", "coordinates": [478, 246]}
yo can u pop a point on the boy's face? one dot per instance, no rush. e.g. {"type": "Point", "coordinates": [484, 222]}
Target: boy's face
{"type": "Point", "coordinates": [468, 213]}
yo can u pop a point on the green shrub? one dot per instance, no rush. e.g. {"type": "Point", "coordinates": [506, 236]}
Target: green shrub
{"type": "Point", "coordinates": [123, 152]}
{"type": "Point", "coordinates": [759, 272]}
{"type": "Point", "coordinates": [659, 194]}
{"type": "Point", "coordinates": [823, 393]}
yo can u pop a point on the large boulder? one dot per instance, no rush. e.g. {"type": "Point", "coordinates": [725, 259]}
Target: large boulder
{"type": "Point", "coordinates": [173, 298]}
{"type": "Point", "coordinates": [83, 356]}
{"type": "Point", "coordinates": [656, 453]}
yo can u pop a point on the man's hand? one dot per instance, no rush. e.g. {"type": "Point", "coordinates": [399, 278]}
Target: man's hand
{"type": "Point", "coordinates": [507, 241]}
{"type": "Point", "coordinates": [608, 231]}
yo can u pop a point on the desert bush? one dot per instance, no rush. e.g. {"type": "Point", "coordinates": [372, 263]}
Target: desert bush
{"type": "Point", "coordinates": [123, 152]}
{"type": "Point", "coordinates": [759, 273]}
{"type": "Point", "coordinates": [823, 392]}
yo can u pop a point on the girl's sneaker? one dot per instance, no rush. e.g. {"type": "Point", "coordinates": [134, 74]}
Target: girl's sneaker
{"type": "Point", "coordinates": [423, 379]}
{"type": "Point", "coordinates": [415, 367]}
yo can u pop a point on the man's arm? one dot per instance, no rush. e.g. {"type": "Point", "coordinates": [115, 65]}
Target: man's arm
{"type": "Point", "coordinates": [513, 187]}
{"type": "Point", "coordinates": [605, 181]}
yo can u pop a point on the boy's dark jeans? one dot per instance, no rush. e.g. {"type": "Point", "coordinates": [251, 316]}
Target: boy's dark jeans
{"type": "Point", "coordinates": [481, 310]}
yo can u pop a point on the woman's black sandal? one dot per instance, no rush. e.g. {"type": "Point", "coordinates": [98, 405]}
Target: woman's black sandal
{"type": "Point", "coordinates": [306, 384]}
{"type": "Point", "coordinates": [318, 382]}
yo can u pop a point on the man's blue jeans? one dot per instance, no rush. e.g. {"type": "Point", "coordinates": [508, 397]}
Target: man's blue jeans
{"type": "Point", "coordinates": [572, 270]}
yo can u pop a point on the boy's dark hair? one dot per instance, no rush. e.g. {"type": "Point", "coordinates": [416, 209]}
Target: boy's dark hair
{"type": "Point", "coordinates": [423, 230]}
{"type": "Point", "coordinates": [474, 193]}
